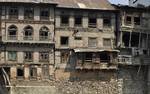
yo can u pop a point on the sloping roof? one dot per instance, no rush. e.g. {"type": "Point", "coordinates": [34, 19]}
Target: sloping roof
{"type": "Point", "coordinates": [85, 4]}
{"type": "Point", "coordinates": [29, 1]}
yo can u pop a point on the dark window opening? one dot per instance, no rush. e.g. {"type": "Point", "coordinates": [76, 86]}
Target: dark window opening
{"type": "Point", "coordinates": [44, 33]}
{"type": "Point", "coordinates": [13, 13]}
{"type": "Point", "coordinates": [128, 20]}
{"type": "Point", "coordinates": [92, 22]}
{"type": "Point", "coordinates": [44, 14]}
{"type": "Point", "coordinates": [135, 39]}
{"type": "Point", "coordinates": [64, 20]}
{"type": "Point", "coordinates": [78, 21]}
{"type": "Point", "coordinates": [29, 13]}
{"type": "Point", "coordinates": [65, 57]}
{"type": "Point", "coordinates": [137, 21]}
{"type": "Point", "coordinates": [107, 22]}
{"type": "Point", "coordinates": [20, 72]}
{"type": "Point", "coordinates": [28, 56]}
{"type": "Point", "coordinates": [28, 33]}
{"type": "Point", "coordinates": [104, 57]}
{"type": "Point", "coordinates": [88, 57]}
{"type": "Point", "coordinates": [44, 56]}
{"type": "Point", "coordinates": [78, 38]}
{"type": "Point", "coordinates": [126, 39]}
{"type": "Point", "coordinates": [12, 33]}
{"type": "Point", "coordinates": [33, 72]}
{"type": "Point", "coordinates": [145, 52]}
{"type": "Point", "coordinates": [65, 41]}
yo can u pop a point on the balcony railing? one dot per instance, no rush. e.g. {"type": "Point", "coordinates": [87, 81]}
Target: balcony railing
{"type": "Point", "coordinates": [92, 25]}
{"type": "Point", "coordinates": [98, 64]}
{"type": "Point", "coordinates": [12, 37]}
{"type": "Point", "coordinates": [28, 37]}
{"type": "Point", "coordinates": [44, 38]}
{"type": "Point", "coordinates": [125, 60]}
{"type": "Point", "coordinates": [44, 18]}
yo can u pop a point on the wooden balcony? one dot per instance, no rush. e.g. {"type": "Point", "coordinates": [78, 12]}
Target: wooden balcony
{"type": "Point", "coordinates": [96, 65]}
{"type": "Point", "coordinates": [12, 37]}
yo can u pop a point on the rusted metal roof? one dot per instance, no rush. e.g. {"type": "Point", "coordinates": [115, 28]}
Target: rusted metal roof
{"type": "Point", "coordinates": [85, 4]}
{"type": "Point", "coordinates": [95, 50]}
{"type": "Point", "coordinates": [29, 1]}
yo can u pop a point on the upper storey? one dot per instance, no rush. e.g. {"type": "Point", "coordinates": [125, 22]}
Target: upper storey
{"type": "Point", "coordinates": [27, 22]}
{"type": "Point", "coordinates": [84, 24]}
{"type": "Point", "coordinates": [134, 19]}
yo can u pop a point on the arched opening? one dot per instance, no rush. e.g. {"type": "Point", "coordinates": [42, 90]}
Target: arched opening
{"type": "Point", "coordinates": [12, 32]}
{"type": "Point", "coordinates": [28, 33]}
{"type": "Point", "coordinates": [44, 34]}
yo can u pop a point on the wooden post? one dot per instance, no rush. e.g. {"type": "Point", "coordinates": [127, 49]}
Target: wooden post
{"type": "Point", "coordinates": [130, 39]}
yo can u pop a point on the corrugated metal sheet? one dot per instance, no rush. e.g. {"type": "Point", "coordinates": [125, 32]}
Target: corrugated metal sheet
{"type": "Point", "coordinates": [81, 4]}
{"type": "Point", "coordinates": [30, 1]}
{"type": "Point", "coordinates": [85, 4]}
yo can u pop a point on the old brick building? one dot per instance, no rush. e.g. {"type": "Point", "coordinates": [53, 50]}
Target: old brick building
{"type": "Point", "coordinates": [27, 39]}
{"type": "Point", "coordinates": [73, 47]}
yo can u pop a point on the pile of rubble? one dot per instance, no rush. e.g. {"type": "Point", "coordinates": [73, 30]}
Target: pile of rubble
{"type": "Point", "coordinates": [87, 87]}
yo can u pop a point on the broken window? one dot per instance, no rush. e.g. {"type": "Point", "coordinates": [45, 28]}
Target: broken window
{"type": "Point", "coordinates": [92, 23]}
{"type": "Point", "coordinates": [28, 56]}
{"type": "Point", "coordinates": [12, 56]}
{"type": "Point", "coordinates": [44, 33]}
{"type": "Point", "coordinates": [92, 42]}
{"type": "Point", "coordinates": [64, 41]}
{"type": "Point", "coordinates": [13, 13]}
{"type": "Point", "coordinates": [78, 21]}
{"type": "Point", "coordinates": [107, 42]}
{"type": "Point", "coordinates": [44, 14]}
{"type": "Point", "coordinates": [88, 57]}
{"type": "Point", "coordinates": [33, 72]}
{"type": "Point", "coordinates": [29, 13]}
{"type": "Point", "coordinates": [64, 20]}
{"type": "Point", "coordinates": [107, 22]}
{"type": "Point", "coordinates": [28, 33]}
{"type": "Point", "coordinates": [12, 32]}
{"type": "Point", "coordinates": [128, 20]}
{"type": "Point", "coordinates": [44, 56]}
{"type": "Point", "coordinates": [104, 57]}
{"type": "Point", "coordinates": [20, 72]}
{"type": "Point", "coordinates": [64, 57]}
{"type": "Point", "coordinates": [137, 20]}
{"type": "Point", "coordinates": [45, 71]}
